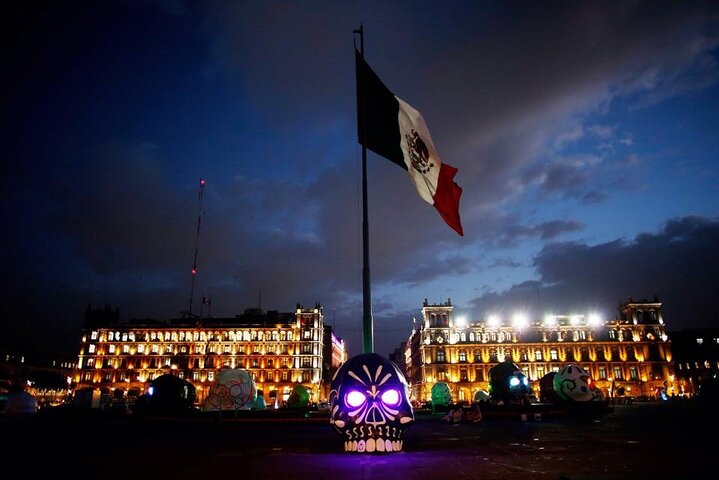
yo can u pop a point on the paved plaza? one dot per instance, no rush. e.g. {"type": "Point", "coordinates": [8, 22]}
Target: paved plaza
{"type": "Point", "coordinates": [642, 440]}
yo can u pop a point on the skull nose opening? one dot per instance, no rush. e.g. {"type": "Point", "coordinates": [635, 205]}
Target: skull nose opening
{"type": "Point", "coordinates": [375, 416]}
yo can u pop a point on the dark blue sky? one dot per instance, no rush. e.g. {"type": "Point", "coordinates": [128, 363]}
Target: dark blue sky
{"type": "Point", "coordinates": [585, 134]}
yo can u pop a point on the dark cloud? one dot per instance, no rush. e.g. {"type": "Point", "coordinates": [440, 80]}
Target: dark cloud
{"type": "Point", "coordinates": [679, 264]}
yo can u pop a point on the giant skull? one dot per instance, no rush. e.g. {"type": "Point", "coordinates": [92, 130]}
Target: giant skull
{"type": "Point", "coordinates": [369, 404]}
{"type": "Point", "coordinates": [574, 383]}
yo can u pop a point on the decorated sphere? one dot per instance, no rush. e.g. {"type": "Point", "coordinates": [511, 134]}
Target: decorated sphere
{"type": "Point", "coordinates": [299, 397]}
{"type": "Point", "coordinates": [573, 383]}
{"type": "Point", "coordinates": [232, 389]}
{"type": "Point", "coordinates": [441, 394]}
{"type": "Point", "coordinates": [369, 404]}
{"type": "Point", "coordinates": [481, 396]}
{"type": "Point", "coordinates": [547, 393]}
{"type": "Point", "coordinates": [507, 382]}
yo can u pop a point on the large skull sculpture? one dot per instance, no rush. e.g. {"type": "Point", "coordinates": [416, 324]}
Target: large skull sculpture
{"type": "Point", "coordinates": [369, 404]}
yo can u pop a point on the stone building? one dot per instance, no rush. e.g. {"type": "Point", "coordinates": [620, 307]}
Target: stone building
{"type": "Point", "coordinates": [629, 355]}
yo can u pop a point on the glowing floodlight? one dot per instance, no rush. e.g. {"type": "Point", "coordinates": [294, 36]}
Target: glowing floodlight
{"type": "Point", "coordinates": [460, 321]}
{"type": "Point", "coordinates": [594, 319]}
{"type": "Point", "coordinates": [519, 320]}
{"type": "Point", "coordinates": [550, 320]}
{"type": "Point", "coordinates": [575, 319]}
{"type": "Point", "coordinates": [494, 321]}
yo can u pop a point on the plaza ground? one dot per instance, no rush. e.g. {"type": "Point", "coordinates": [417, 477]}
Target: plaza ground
{"type": "Point", "coordinates": [643, 440]}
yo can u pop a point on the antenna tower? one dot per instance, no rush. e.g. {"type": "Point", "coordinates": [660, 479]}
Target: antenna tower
{"type": "Point", "coordinates": [197, 239]}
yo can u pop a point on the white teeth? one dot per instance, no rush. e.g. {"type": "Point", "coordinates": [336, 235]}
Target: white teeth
{"type": "Point", "coordinates": [373, 445]}
{"type": "Point", "coordinates": [340, 423]}
{"type": "Point", "coordinates": [380, 445]}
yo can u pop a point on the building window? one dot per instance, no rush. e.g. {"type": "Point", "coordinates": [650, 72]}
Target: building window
{"type": "Point", "coordinates": [112, 349]}
{"type": "Point", "coordinates": [523, 356]}
{"type": "Point", "coordinates": [307, 334]}
{"type": "Point", "coordinates": [124, 337]}
{"type": "Point", "coordinates": [168, 349]}
{"type": "Point", "coordinates": [227, 348]}
{"type": "Point", "coordinates": [440, 356]}
{"type": "Point", "coordinates": [540, 371]}
{"type": "Point", "coordinates": [699, 341]}
{"type": "Point", "coordinates": [538, 355]}
{"type": "Point", "coordinates": [306, 348]}
{"type": "Point", "coordinates": [612, 334]}
{"type": "Point", "coordinates": [269, 363]}
{"type": "Point", "coordinates": [93, 335]}
{"type": "Point", "coordinates": [255, 363]}
{"type": "Point", "coordinates": [463, 375]}
{"type": "Point", "coordinates": [306, 362]}
{"type": "Point", "coordinates": [210, 376]}
{"type": "Point", "coordinates": [90, 362]}
{"type": "Point", "coordinates": [155, 348]}
{"type": "Point", "coordinates": [91, 348]}
{"type": "Point", "coordinates": [553, 354]}
{"type": "Point", "coordinates": [462, 356]}
{"type": "Point", "coordinates": [602, 373]}
{"type": "Point", "coordinates": [633, 373]}
{"type": "Point", "coordinates": [126, 349]}
{"type": "Point", "coordinates": [285, 376]}
{"type": "Point", "coordinates": [617, 372]}
{"type": "Point", "coordinates": [195, 375]}
{"type": "Point", "coordinates": [478, 375]}
{"type": "Point", "coordinates": [306, 376]}
{"type": "Point", "coordinates": [140, 348]}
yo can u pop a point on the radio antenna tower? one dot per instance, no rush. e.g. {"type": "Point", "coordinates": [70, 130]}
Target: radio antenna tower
{"type": "Point", "coordinates": [197, 239]}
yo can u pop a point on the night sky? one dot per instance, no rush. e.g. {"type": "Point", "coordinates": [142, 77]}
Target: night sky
{"type": "Point", "coordinates": [585, 135]}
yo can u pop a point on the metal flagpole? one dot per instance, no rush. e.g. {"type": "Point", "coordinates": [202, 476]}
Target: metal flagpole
{"type": "Point", "coordinates": [367, 328]}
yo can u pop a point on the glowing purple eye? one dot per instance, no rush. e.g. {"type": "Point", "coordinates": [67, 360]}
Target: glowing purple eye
{"type": "Point", "coordinates": [390, 397]}
{"type": "Point", "coordinates": [355, 398]}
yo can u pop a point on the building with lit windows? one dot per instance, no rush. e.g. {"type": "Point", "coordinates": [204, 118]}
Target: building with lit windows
{"type": "Point", "coordinates": [629, 355]}
{"type": "Point", "coordinates": [279, 350]}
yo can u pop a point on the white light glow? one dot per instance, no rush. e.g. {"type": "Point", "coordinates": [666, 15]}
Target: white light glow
{"type": "Point", "coordinates": [575, 319]}
{"type": "Point", "coordinates": [519, 320]}
{"type": "Point", "coordinates": [550, 320]}
{"type": "Point", "coordinates": [594, 319]}
{"type": "Point", "coordinates": [460, 321]}
{"type": "Point", "coordinates": [494, 321]}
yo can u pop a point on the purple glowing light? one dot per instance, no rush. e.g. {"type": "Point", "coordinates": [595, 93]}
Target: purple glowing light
{"type": "Point", "coordinates": [391, 397]}
{"type": "Point", "coordinates": [355, 398]}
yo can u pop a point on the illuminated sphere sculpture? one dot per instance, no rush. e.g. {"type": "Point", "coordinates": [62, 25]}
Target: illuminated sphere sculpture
{"type": "Point", "coordinates": [369, 404]}
{"type": "Point", "coordinates": [573, 383]}
{"type": "Point", "coordinates": [481, 396]}
{"type": "Point", "coordinates": [170, 394]}
{"type": "Point", "coordinates": [547, 393]}
{"type": "Point", "coordinates": [299, 397]}
{"type": "Point", "coordinates": [507, 383]}
{"type": "Point", "coordinates": [441, 394]}
{"type": "Point", "coordinates": [233, 389]}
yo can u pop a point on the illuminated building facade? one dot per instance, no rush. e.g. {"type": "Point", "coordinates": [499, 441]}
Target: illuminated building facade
{"type": "Point", "coordinates": [696, 360]}
{"type": "Point", "coordinates": [629, 355]}
{"type": "Point", "coordinates": [279, 350]}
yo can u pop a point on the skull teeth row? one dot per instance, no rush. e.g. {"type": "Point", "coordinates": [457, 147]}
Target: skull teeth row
{"type": "Point", "coordinates": [372, 445]}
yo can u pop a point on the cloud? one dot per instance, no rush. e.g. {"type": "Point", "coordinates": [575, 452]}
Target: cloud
{"type": "Point", "coordinates": [679, 264]}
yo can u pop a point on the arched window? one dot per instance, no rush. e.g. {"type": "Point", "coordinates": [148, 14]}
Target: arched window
{"type": "Point", "coordinates": [462, 355]}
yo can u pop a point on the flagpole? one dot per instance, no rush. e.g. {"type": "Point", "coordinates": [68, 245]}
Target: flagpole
{"type": "Point", "coordinates": [367, 327]}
